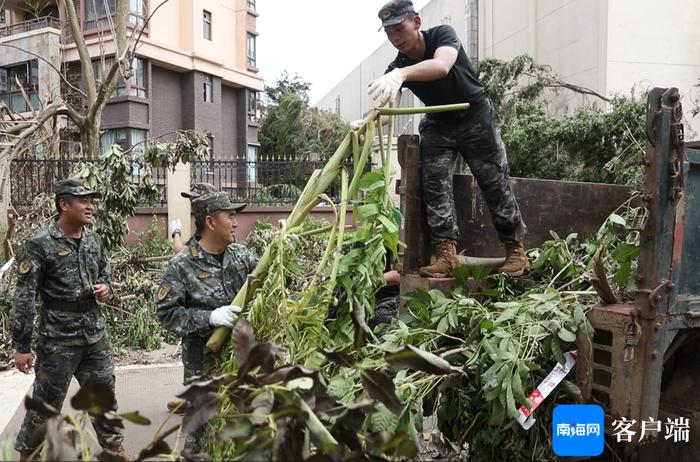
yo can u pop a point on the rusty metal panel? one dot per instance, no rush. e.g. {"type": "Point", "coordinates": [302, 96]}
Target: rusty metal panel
{"type": "Point", "coordinates": [414, 227]}
{"type": "Point", "coordinates": [607, 372]}
{"type": "Point", "coordinates": [564, 207]}
{"type": "Point", "coordinates": [686, 258]}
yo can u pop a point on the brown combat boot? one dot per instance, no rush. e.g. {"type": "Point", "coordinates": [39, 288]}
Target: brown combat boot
{"type": "Point", "coordinates": [178, 406]}
{"type": "Point", "coordinates": [446, 261]}
{"type": "Point", "coordinates": [516, 261]}
{"type": "Point", "coordinates": [115, 453]}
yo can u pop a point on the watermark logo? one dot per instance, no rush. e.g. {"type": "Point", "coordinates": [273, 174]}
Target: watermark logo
{"type": "Point", "coordinates": [578, 430]}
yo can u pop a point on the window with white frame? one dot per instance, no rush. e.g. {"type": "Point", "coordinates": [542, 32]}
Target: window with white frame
{"type": "Point", "coordinates": [206, 24]}
{"type": "Point", "coordinates": [250, 51]}
{"type": "Point", "coordinates": [252, 158]}
{"type": "Point", "coordinates": [251, 5]}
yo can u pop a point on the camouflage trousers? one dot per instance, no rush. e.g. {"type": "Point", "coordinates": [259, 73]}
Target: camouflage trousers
{"type": "Point", "coordinates": [55, 366]}
{"type": "Point", "coordinates": [476, 137]}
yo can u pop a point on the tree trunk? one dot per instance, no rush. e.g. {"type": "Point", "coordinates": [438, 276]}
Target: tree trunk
{"type": "Point", "coordinates": [90, 137]}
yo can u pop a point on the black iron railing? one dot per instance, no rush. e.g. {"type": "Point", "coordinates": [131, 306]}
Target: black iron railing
{"type": "Point", "coordinates": [262, 182]}
{"type": "Point", "coordinates": [31, 177]}
{"type": "Point", "coordinates": [254, 182]}
{"type": "Point", "coordinates": [30, 25]}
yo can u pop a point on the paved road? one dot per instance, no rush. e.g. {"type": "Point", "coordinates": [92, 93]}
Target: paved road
{"type": "Point", "coordinates": [143, 388]}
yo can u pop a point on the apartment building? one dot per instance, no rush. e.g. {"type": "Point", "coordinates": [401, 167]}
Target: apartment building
{"type": "Point", "coordinates": [608, 46]}
{"type": "Point", "coordinates": [195, 68]}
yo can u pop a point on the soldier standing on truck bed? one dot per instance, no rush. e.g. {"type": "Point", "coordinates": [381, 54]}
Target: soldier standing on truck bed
{"type": "Point", "coordinates": [434, 66]}
{"type": "Point", "coordinates": [67, 265]}
{"type": "Point", "coordinates": [200, 282]}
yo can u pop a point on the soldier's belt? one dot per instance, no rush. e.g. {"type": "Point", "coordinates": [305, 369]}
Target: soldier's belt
{"type": "Point", "coordinates": [76, 306]}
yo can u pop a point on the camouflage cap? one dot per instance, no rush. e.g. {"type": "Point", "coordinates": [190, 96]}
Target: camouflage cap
{"type": "Point", "coordinates": [395, 12]}
{"type": "Point", "coordinates": [198, 189]}
{"type": "Point", "coordinates": [211, 202]}
{"type": "Point", "coordinates": [74, 188]}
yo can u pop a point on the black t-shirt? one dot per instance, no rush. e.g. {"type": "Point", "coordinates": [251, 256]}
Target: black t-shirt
{"type": "Point", "coordinates": [460, 85]}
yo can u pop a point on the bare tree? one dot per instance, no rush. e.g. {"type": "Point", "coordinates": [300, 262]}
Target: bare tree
{"type": "Point", "coordinates": [86, 112]}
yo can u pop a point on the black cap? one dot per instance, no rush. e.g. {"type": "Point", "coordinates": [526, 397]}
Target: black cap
{"type": "Point", "coordinates": [74, 188]}
{"type": "Point", "coordinates": [395, 12]}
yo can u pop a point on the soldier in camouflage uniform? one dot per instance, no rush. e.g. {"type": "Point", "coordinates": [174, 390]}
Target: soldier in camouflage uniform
{"type": "Point", "coordinates": [200, 282]}
{"type": "Point", "coordinates": [175, 226]}
{"type": "Point", "coordinates": [66, 264]}
{"type": "Point", "coordinates": [435, 67]}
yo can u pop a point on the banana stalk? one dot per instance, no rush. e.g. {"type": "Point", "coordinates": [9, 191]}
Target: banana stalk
{"type": "Point", "coordinates": [317, 185]}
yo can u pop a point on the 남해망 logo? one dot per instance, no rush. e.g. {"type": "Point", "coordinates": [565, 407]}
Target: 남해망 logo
{"type": "Point", "coordinates": [578, 430]}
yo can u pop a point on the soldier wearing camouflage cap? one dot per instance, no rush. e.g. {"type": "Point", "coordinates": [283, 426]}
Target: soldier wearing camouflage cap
{"type": "Point", "coordinates": [433, 64]}
{"type": "Point", "coordinates": [175, 227]}
{"type": "Point", "coordinates": [66, 265]}
{"type": "Point", "coordinates": [199, 283]}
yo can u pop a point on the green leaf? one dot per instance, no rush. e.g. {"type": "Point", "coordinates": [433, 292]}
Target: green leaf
{"type": "Point", "coordinates": [566, 335]}
{"type": "Point", "coordinates": [415, 358]}
{"type": "Point", "coordinates": [319, 433]}
{"type": "Point", "coordinates": [510, 402]}
{"type": "Point", "coordinates": [365, 211]}
{"type": "Point", "coordinates": [389, 225]}
{"type": "Point", "coordinates": [382, 388]}
{"type": "Point", "coordinates": [556, 351]}
{"type": "Point", "coordinates": [461, 275]}
{"type": "Point", "coordinates": [518, 392]}
{"type": "Point", "coordinates": [135, 418]}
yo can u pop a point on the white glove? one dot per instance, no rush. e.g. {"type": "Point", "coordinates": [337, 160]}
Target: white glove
{"type": "Point", "coordinates": [175, 227]}
{"type": "Point", "coordinates": [224, 316]}
{"type": "Point", "coordinates": [385, 88]}
{"type": "Point", "coordinates": [356, 124]}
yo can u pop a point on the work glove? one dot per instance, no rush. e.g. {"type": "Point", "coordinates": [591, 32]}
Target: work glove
{"type": "Point", "coordinates": [175, 227]}
{"type": "Point", "coordinates": [224, 316]}
{"type": "Point", "coordinates": [355, 124]}
{"type": "Point", "coordinates": [386, 87]}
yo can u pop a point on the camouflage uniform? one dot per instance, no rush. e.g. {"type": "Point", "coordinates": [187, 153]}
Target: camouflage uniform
{"type": "Point", "coordinates": [194, 284]}
{"type": "Point", "coordinates": [476, 137]}
{"type": "Point", "coordinates": [72, 340]}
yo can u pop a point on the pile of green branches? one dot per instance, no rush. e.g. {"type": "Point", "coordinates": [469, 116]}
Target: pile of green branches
{"type": "Point", "coordinates": [494, 342]}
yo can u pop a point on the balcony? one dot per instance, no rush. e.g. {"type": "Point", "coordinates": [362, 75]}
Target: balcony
{"type": "Point", "coordinates": [31, 25]}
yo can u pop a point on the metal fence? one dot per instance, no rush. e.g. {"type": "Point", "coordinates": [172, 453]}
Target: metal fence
{"type": "Point", "coordinates": [264, 183]}
{"type": "Point", "coordinates": [278, 182]}
{"type": "Point", "coordinates": [31, 177]}
{"type": "Point", "coordinates": [30, 25]}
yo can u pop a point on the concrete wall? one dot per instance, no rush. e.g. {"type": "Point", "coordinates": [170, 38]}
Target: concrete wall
{"type": "Point", "coordinates": [568, 35]}
{"type": "Point", "coordinates": [43, 42]}
{"type": "Point", "coordinates": [354, 101]}
{"type": "Point", "coordinates": [247, 220]}
{"type": "Point", "coordinates": [652, 44]}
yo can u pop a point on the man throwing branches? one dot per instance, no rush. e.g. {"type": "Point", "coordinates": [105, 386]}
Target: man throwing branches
{"type": "Point", "coordinates": [433, 65]}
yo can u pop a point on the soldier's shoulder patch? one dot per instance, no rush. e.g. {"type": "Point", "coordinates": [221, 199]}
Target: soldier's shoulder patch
{"type": "Point", "coordinates": [164, 290]}
{"type": "Point", "coordinates": [24, 267]}
{"type": "Point", "coordinates": [63, 252]}
{"type": "Point", "coordinates": [204, 275]}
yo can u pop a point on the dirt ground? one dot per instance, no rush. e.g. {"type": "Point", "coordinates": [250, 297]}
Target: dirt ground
{"type": "Point", "coordinates": [166, 354]}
